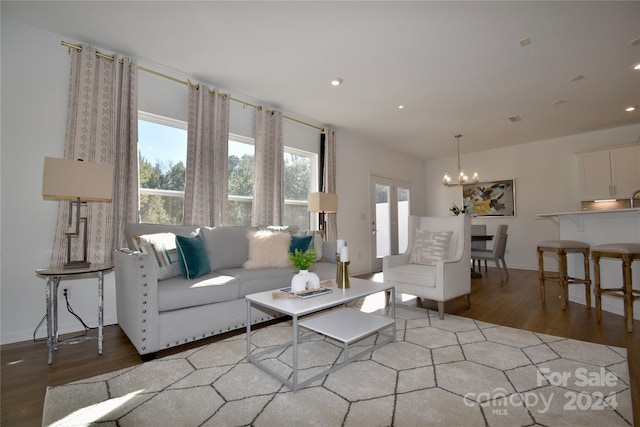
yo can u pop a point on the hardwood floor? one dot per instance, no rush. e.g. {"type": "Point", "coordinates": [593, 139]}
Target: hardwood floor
{"type": "Point", "coordinates": [514, 302]}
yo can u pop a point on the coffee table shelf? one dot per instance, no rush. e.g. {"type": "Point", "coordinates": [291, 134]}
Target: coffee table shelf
{"type": "Point", "coordinates": [346, 325]}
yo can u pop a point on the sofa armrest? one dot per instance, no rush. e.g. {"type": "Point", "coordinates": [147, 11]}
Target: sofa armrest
{"type": "Point", "coordinates": [137, 299]}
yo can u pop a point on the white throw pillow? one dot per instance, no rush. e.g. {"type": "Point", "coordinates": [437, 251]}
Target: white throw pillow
{"type": "Point", "coordinates": [430, 246]}
{"type": "Point", "coordinates": [161, 247]}
{"type": "Point", "coordinates": [268, 250]}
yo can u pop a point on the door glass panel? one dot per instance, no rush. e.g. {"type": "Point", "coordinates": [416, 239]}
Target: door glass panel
{"type": "Point", "coordinates": [383, 221]}
{"type": "Point", "coordinates": [403, 219]}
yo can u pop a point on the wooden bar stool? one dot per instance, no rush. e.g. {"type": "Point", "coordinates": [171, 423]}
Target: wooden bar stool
{"type": "Point", "coordinates": [561, 248]}
{"type": "Point", "coordinates": [627, 252]}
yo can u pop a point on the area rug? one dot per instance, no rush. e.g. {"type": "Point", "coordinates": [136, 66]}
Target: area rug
{"type": "Point", "coordinates": [450, 372]}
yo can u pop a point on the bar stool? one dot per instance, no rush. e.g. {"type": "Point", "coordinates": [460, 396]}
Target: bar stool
{"type": "Point", "coordinates": [561, 248]}
{"type": "Point", "coordinates": [627, 252]}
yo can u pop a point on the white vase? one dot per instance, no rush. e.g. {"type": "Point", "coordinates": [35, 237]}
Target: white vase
{"type": "Point", "coordinates": [303, 280]}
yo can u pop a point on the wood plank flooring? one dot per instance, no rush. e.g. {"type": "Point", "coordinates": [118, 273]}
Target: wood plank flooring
{"type": "Point", "coordinates": [514, 302]}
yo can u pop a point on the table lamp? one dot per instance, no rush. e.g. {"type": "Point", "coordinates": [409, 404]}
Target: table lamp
{"type": "Point", "coordinates": [323, 203]}
{"type": "Point", "coordinates": [79, 182]}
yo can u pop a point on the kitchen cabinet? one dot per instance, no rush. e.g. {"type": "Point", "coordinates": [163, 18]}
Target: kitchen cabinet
{"type": "Point", "coordinates": [610, 174]}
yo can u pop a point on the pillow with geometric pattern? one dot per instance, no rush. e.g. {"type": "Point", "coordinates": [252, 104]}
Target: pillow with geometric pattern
{"type": "Point", "coordinates": [430, 246]}
{"type": "Point", "coordinates": [164, 254]}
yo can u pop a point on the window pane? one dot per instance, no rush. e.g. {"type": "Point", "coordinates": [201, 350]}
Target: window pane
{"type": "Point", "coordinates": [241, 168]}
{"type": "Point", "coordinates": [162, 145]}
{"type": "Point", "coordinates": [299, 169]}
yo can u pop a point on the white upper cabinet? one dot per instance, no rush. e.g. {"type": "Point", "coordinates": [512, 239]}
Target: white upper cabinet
{"type": "Point", "coordinates": [610, 173]}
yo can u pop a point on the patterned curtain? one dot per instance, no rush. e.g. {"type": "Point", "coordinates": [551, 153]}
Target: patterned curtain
{"type": "Point", "coordinates": [329, 180]}
{"type": "Point", "coordinates": [102, 127]}
{"type": "Point", "coordinates": [268, 183]}
{"type": "Point", "coordinates": [206, 189]}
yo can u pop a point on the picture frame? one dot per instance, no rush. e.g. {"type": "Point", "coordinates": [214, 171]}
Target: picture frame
{"type": "Point", "coordinates": [490, 198]}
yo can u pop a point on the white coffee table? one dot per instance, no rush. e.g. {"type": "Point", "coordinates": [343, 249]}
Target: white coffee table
{"type": "Point", "coordinates": [347, 325]}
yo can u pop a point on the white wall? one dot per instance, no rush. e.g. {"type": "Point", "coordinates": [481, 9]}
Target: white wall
{"type": "Point", "coordinates": [546, 180]}
{"type": "Point", "coordinates": [35, 84]}
{"type": "Point", "coordinates": [356, 162]}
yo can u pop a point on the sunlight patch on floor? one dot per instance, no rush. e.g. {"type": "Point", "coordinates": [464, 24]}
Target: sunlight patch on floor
{"type": "Point", "coordinates": [96, 412]}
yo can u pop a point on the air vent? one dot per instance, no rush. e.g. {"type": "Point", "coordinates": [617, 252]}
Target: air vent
{"type": "Point", "coordinates": [514, 119]}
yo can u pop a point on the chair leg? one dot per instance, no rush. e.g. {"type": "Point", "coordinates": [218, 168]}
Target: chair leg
{"type": "Point", "coordinates": [541, 275]}
{"type": "Point", "coordinates": [504, 265]}
{"type": "Point", "coordinates": [467, 300]}
{"type": "Point", "coordinates": [597, 291]}
{"type": "Point", "coordinates": [628, 292]}
{"type": "Point", "coordinates": [587, 278]}
{"type": "Point", "coordinates": [441, 310]}
{"type": "Point", "coordinates": [564, 283]}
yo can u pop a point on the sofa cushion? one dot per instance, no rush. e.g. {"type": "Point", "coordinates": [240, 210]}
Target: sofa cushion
{"type": "Point", "coordinates": [260, 279]}
{"type": "Point", "coordinates": [316, 241]}
{"type": "Point", "coordinates": [430, 246]}
{"type": "Point", "coordinates": [177, 293]}
{"type": "Point", "coordinates": [194, 261]}
{"type": "Point", "coordinates": [161, 247]}
{"type": "Point", "coordinates": [227, 246]}
{"type": "Point", "coordinates": [137, 229]}
{"type": "Point", "coordinates": [301, 243]}
{"type": "Point", "coordinates": [268, 250]}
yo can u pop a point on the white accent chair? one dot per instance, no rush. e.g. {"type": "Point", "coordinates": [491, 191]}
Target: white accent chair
{"type": "Point", "coordinates": [445, 279]}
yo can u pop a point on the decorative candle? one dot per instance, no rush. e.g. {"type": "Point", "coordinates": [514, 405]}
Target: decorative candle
{"type": "Point", "coordinates": [344, 254]}
{"type": "Point", "coordinates": [340, 244]}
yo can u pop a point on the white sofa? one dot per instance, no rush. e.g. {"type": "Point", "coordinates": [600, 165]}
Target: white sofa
{"type": "Point", "coordinates": [158, 314]}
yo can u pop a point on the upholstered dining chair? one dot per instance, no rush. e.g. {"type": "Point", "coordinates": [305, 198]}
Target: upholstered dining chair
{"type": "Point", "coordinates": [436, 263]}
{"type": "Point", "coordinates": [478, 230]}
{"type": "Point", "coordinates": [496, 253]}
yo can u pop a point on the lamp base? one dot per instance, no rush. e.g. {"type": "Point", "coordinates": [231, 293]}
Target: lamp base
{"type": "Point", "coordinates": [76, 264]}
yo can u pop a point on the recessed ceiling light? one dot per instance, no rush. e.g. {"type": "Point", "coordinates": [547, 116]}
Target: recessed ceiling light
{"type": "Point", "coordinates": [630, 109]}
{"type": "Point", "coordinates": [636, 67]}
{"type": "Point", "coordinates": [576, 78]}
{"type": "Point", "coordinates": [559, 101]}
{"type": "Point", "coordinates": [635, 42]}
{"type": "Point", "coordinates": [525, 42]}
{"type": "Point", "coordinates": [337, 81]}
{"type": "Point", "coordinates": [514, 119]}
{"type": "Point", "coordinates": [400, 107]}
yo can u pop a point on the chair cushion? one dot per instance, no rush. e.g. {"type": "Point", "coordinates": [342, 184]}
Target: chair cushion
{"type": "Point", "coordinates": [430, 246]}
{"type": "Point", "coordinates": [415, 274]}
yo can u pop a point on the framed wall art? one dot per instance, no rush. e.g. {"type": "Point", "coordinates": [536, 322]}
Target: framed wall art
{"type": "Point", "coordinates": [491, 198]}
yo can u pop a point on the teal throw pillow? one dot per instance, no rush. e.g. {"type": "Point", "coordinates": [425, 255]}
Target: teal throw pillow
{"type": "Point", "coordinates": [194, 260]}
{"type": "Point", "coordinates": [300, 242]}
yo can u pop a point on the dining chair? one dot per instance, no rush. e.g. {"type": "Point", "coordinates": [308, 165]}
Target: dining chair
{"type": "Point", "coordinates": [478, 230]}
{"type": "Point", "coordinates": [496, 253]}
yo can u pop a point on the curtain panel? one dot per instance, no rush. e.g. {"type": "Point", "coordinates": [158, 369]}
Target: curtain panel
{"type": "Point", "coordinates": [268, 183]}
{"type": "Point", "coordinates": [328, 139]}
{"type": "Point", "coordinates": [102, 127]}
{"type": "Point", "coordinates": [206, 180]}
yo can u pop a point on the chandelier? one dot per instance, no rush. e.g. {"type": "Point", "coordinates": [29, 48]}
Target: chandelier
{"type": "Point", "coordinates": [462, 178]}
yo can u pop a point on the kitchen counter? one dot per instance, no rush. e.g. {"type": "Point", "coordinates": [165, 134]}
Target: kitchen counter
{"type": "Point", "coordinates": [596, 228]}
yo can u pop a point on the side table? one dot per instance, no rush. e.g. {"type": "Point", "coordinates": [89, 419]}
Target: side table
{"type": "Point", "coordinates": [53, 276]}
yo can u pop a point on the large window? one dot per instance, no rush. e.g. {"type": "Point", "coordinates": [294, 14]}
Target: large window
{"type": "Point", "coordinates": [162, 145]}
{"type": "Point", "coordinates": [300, 171]}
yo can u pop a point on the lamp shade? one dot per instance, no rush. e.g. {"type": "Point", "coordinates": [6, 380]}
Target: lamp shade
{"type": "Point", "coordinates": [66, 179]}
{"type": "Point", "coordinates": [323, 202]}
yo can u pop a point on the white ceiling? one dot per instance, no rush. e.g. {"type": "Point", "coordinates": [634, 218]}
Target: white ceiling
{"type": "Point", "coordinates": [457, 67]}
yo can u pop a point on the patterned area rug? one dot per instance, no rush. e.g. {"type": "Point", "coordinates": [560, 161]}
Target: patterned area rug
{"type": "Point", "coordinates": [449, 372]}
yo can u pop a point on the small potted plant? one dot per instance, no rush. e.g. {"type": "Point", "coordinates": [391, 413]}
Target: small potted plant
{"type": "Point", "coordinates": [302, 260]}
